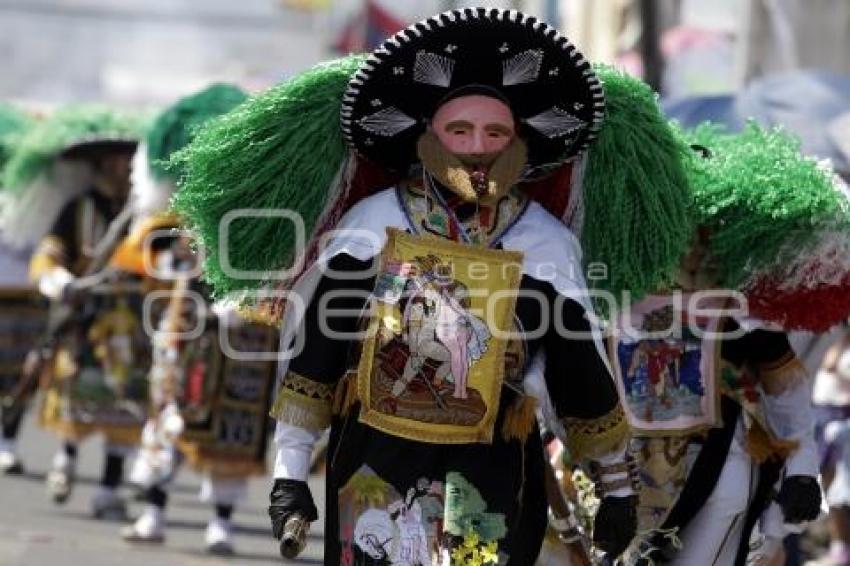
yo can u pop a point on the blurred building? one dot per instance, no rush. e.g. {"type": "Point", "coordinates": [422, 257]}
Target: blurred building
{"type": "Point", "coordinates": [786, 35]}
{"type": "Point", "coordinates": [150, 51]}
{"type": "Point", "coordinates": [143, 52]}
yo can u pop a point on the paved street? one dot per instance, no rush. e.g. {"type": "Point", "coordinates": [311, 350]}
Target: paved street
{"type": "Point", "coordinates": [35, 532]}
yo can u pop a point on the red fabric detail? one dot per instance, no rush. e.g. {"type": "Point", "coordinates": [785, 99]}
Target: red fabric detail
{"type": "Point", "coordinates": [816, 309]}
{"type": "Point", "coordinates": [659, 357]}
{"type": "Point", "coordinates": [382, 21]}
{"type": "Point", "coordinates": [352, 37]}
{"type": "Point", "coordinates": [195, 383]}
{"type": "Point", "coordinates": [367, 29]}
{"type": "Point", "coordinates": [552, 191]}
{"type": "Point", "coordinates": [486, 215]}
{"type": "Point", "coordinates": [453, 229]}
{"type": "Point", "coordinates": [369, 178]}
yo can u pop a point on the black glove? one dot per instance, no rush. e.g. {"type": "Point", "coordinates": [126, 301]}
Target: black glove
{"type": "Point", "coordinates": [800, 499]}
{"type": "Point", "coordinates": [288, 497]}
{"type": "Point", "coordinates": [615, 524]}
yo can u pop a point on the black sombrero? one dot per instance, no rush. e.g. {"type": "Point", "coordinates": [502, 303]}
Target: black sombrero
{"type": "Point", "coordinates": [556, 98]}
{"type": "Point", "coordinates": [91, 146]}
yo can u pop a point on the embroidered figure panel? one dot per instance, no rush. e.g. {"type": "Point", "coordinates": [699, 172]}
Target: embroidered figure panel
{"type": "Point", "coordinates": [433, 360]}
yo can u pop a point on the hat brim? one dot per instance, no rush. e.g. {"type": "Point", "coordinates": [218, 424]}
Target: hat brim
{"type": "Point", "coordinates": [91, 147]}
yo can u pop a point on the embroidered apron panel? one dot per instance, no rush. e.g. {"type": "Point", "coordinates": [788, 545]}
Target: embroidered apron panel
{"type": "Point", "coordinates": [433, 360]}
{"type": "Point", "coordinates": [666, 367]}
{"type": "Point", "coordinates": [665, 463]}
{"type": "Point", "coordinates": [225, 401]}
{"type": "Point", "coordinates": [378, 525]}
{"type": "Point", "coordinates": [100, 368]}
{"type": "Point", "coordinates": [443, 521]}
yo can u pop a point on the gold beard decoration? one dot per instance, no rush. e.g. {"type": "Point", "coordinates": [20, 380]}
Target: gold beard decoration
{"type": "Point", "coordinates": [484, 178]}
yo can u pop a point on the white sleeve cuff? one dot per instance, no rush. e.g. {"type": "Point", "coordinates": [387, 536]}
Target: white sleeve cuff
{"type": "Point", "coordinates": [791, 416]}
{"type": "Point", "coordinates": [294, 449]}
{"type": "Point", "coordinates": [612, 458]}
{"type": "Point", "coordinates": [804, 461]}
{"type": "Point", "coordinates": [52, 283]}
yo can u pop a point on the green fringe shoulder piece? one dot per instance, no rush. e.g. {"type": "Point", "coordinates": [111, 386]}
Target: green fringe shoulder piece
{"type": "Point", "coordinates": [279, 150]}
{"type": "Point", "coordinates": [756, 193]}
{"type": "Point", "coordinates": [636, 198]}
{"type": "Point", "coordinates": [13, 125]}
{"type": "Point", "coordinates": [174, 128]}
{"type": "Point", "coordinates": [63, 128]}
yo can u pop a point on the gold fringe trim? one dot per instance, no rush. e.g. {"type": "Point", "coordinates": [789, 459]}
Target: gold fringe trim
{"type": "Point", "coordinates": [205, 459]}
{"type": "Point", "coordinates": [261, 314]}
{"type": "Point", "coordinates": [762, 446]}
{"type": "Point", "coordinates": [308, 387]}
{"type": "Point", "coordinates": [346, 394]}
{"type": "Point", "coordinates": [782, 375]}
{"type": "Point", "coordinates": [300, 410]}
{"type": "Point", "coordinates": [519, 418]}
{"type": "Point", "coordinates": [593, 438]}
{"type": "Point", "coordinates": [51, 418]}
{"type": "Point", "coordinates": [123, 435]}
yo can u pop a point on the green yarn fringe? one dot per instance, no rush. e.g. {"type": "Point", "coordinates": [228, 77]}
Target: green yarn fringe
{"type": "Point", "coordinates": [66, 126]}
{"type": "Point", "coordinates": [279, 150]}
{"type": "Point", "coordinates": [635, 185]}
{"type": "Point", "coordinates": [637, 203]}
{"type": "Point", "coordinates": [755, 194]}
{"type": "Point", "coordinates": [175, 127]}
{"type": "Point", "coordinates": [13, 125]}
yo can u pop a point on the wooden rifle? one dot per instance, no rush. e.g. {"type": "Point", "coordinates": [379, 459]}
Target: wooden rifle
{"type": "Point", "coordinates": [171, 327]}
{"type": "Point", "coordinates": [574, 540]}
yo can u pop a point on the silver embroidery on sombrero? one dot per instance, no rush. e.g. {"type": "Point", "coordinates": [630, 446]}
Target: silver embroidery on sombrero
{"type": "Point", "coordinates": [433, 69]}
{"type": "Point", "coordinates": [555, 122]}
{"type": "Point", "coordinates": [522, 68]}
{"type": "Point", "coordinates": [387, 122]}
